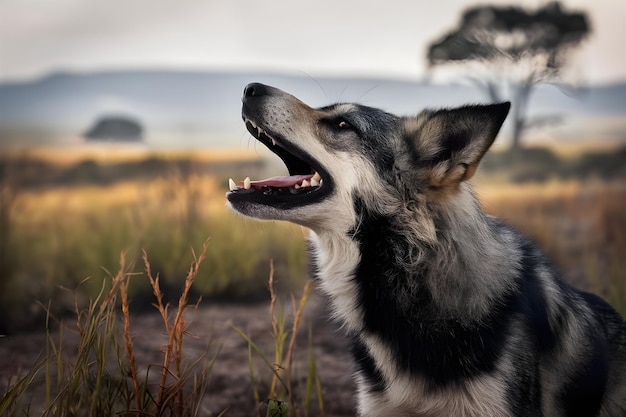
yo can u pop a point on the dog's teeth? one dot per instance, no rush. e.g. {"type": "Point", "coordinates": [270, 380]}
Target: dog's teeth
{"type": "Point", "coordinates": [246, 183]}
{"type": "Point", "coordinates": [305, 183]}
{"type": "Point", "coordinates": [314, 182]}
{"type": "Point", "coordinates": [321, 182]}
{"type": "Point", "coordinates": [232, 185]}
{"type": "Point", "coordinates": [296, 186]}
{"type": "Point", "coordinates": [273, 141]}
{"type": "Point", "coordinates": [317, 176]}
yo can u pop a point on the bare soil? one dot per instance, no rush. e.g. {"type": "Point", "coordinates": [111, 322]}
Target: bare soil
{"type": "Point", "coordinates": [211, 331]}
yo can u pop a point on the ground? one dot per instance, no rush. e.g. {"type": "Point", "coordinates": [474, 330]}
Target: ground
{"type": "Point", "coordinates": [229, 388]}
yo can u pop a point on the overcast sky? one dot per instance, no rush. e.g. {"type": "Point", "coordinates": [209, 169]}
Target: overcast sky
{"type": "Point", "coordinates": [383, 38]}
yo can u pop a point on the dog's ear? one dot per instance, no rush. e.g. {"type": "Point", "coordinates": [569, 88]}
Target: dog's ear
{"type": "Point", "coordinates": [451, 142]}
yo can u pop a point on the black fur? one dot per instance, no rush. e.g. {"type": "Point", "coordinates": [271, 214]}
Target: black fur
{"type": "Point", "coordinates": [443, 350]}
{"type": "Point", "coordinates": [367, 366]}
{"type": "Point", "coordinates": [446, 351]}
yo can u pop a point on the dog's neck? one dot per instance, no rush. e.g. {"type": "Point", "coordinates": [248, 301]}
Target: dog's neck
{"type": "Point", "coordinates": [452, 277]}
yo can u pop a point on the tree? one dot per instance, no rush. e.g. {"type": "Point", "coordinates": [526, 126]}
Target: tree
{"type": "Point", "coordinates": [116, 128]}
{"type": "Point", "coordinates": [517, 48]}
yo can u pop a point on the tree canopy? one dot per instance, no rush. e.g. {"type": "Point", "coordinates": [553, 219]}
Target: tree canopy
{"type": "Point", "coordinates": [522, 47]}
{"type": "Point", "coordinates": [116, 128]}
{"type": "Point", "coordinates": [510, 32]}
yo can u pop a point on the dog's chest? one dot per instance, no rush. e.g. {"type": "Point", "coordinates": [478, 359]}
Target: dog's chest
{"type": "Point", "coordinates": [386, 388]}
{"type": "Point", "coordinates": [408, 399]}
{"type": "Point", "coordinates": [398, 393]}
{"type": "Point", "coordinates": [335, 260]}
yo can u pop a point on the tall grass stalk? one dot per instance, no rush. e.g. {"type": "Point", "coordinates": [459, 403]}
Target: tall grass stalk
{"type": "Point", "coordinates": [298, 311]}
{"type": "Point", "coordinates": [17, 388]}
{"type": "Point", "coordinates": [175, 329]}
{"type": "Point", "coordinates": [101, 376]}
{"type": "Point", "coordinates": [129, 345]}
{"type": "Point", "coordinates": [278, 331]}
{"type": "Point", "coordinates": [311, 381]}
{"type": "Point", "coordinates": [282, 396]}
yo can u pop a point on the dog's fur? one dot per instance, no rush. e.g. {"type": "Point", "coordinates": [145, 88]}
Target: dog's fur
{"type": "Point", "coordinates": [450, 312]}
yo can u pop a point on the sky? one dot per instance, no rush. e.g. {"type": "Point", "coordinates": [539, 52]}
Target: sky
{"type": "Point", "coordinates": [379, 38]}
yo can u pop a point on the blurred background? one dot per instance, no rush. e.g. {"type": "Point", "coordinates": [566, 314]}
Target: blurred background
{"type": "Point", "coordinates": [120, 126]}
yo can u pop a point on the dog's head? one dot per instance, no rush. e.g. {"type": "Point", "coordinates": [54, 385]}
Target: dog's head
{"type": "Point", "coordinates": [343, 153]}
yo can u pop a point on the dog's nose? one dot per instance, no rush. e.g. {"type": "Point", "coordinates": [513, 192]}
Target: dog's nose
{"type": "Point", "coordinates": [255, 90]}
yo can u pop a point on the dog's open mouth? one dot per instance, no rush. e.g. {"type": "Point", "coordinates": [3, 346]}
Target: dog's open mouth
{"type": "Point", "coordinates": [306, 181]}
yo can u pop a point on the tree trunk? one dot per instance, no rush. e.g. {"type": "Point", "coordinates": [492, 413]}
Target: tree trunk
{"type": "Point", "coordinates": [520, 106]}
{"type": "Point", "coordinates": [518, 127]}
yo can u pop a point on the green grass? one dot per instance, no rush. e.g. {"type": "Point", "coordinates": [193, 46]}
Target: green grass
{"type": "Point", "coordinates": [60, 236]}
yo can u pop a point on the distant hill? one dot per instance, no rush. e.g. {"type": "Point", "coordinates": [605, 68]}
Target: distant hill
{"type": "Point", "coordinates": [183, 109]}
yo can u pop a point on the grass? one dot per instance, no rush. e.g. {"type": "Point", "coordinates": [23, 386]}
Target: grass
{"type": "Point", "coordinates": [72, 231]}
{"type": "Point", "coordinates": [101, 377]}
{"type": "Point", "coordinates": [112, 153]}
{"type": "Point", "coordinates": [284, 399]}
{"type": "Point", "coordinates": [580, 225]}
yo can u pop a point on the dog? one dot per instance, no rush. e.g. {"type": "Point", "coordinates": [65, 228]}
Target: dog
{"type": "Point", "coordinates": [449, 311]}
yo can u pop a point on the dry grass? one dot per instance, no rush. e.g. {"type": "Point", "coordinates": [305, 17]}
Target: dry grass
{"type": "Point", "coordinates": [284, 398]}
{"type": "Point", "coordinates": [581, 226]}
{"type": "Point", "coordinates": [101, 376]}
{"type": "Point", "coordinates": [170, 194]}
{"type": "Point", "coordinates": [175, 329]}
{"type": "Point", "coordinates": [116, 153]}
{"type": "Point", "coordinates": [72, 231]}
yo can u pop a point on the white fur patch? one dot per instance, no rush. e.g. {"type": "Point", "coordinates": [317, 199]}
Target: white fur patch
{"type": "Point", "coordinates": [407, 395]}
{"type": "Point", "coordinates": [336, 259]}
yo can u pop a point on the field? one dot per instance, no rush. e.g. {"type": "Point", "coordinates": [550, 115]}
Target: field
{"type": "Point", "coordinates": [66, 218]}
{"type": "Point", "coordinates": [66, 231]}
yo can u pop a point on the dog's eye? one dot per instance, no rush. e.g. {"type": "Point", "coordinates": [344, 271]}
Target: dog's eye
{"type": "Point", "coordinates": [342, 124]}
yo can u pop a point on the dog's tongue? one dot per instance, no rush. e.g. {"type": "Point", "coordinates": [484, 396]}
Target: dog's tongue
{"type": "Point", "coordinates": [285, 181]}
